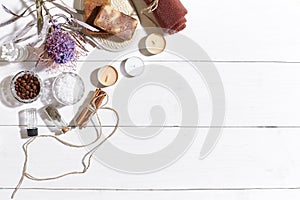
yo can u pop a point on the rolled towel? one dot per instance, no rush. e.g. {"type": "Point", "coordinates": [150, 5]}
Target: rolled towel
{"type": "Point", "coordinates": [180, 25]}
{"type": "Point", "coordinates": [170, 15]}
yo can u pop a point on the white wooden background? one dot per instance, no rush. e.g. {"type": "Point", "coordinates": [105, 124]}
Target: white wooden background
{"type": "Point", "coordinates": [255, 46]}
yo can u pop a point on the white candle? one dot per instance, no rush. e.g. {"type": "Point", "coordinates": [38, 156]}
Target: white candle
{"type": "Point", "coordinates": [134, 66]}
{"type": "Point", "coordinates": [107, 75]}
{"type": "Point", "coordinates": [155, 43]}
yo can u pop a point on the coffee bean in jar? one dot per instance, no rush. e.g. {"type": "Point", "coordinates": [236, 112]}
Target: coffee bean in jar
{"type": "Point", "coordinates": [26, 86]}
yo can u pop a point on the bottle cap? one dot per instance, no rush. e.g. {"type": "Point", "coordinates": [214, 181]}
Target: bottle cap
{"type": "Point", "coordinates": [32, 132]}
{"type": "Point", "coordinates": [65, 129]}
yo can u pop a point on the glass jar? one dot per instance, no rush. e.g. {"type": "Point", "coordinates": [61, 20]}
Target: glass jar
{"type": "Point", "coordinates": [26, 86]}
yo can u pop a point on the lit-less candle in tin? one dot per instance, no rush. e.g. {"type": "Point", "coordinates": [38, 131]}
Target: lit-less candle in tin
{"type": "Point", "coordinates": [107, 75]}
{"type": "Point", "coordinates": [155, 43]}
{"type": "Point", "coordinates": [134, 66]}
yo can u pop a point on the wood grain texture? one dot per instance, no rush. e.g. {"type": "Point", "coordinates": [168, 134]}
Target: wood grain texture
{"type": "Point", "coordinates": [257, 94]}
{"type": "Point", "coordinates": [244, 158]}
{"type": "Point", "coordinates": [177, 195]}
{"type": "Point", "coordinates": [255, 47]}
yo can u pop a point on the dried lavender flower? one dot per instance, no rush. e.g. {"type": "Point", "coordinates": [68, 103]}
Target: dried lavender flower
{"type": "Point", "coordinates": [60, 46]}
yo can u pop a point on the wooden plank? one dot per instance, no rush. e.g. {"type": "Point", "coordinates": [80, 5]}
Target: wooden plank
{"type": "Point", "coordinates": [243, 158]}
{"type": "Point", "coordinates": [257, 94]}
{"type": "Point", "coordinates": [168, 195]}
{"type": "Point", "coordinates": [238, 30]}
{"type": "Point", "coordinates": [245, 30]}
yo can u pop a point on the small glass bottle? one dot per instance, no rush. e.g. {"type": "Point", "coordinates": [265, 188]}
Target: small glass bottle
{"type": "Point", "coordinates": [56, 118]}
{"type": "Point", "coordinates": [31, 122]}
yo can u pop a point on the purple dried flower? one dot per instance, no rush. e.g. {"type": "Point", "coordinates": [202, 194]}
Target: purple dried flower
{"type": "Point", "coordinates": [60, 46]}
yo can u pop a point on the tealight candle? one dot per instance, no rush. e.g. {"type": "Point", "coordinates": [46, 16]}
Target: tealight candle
{"type": "Point", "coordinates": [155, 43]}
{"type": "Point", "coordinates": [134, 66]}
{"type": "Point", "coordinates": [107, 75]}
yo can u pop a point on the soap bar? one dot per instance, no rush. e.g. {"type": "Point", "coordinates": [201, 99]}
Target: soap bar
{"type": "Point", "coordinates": [91, 9]}
{"type": "Point", "coordinates": [115, 22]}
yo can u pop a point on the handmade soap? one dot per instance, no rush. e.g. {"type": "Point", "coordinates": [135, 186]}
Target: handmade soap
{"type": "Point", "coordinates": [115, 22]}
{"type": "Point", "coordinates": [91, 9]}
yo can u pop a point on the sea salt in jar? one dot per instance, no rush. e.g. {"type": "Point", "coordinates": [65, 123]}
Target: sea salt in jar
{"type": "Point", "coordinates": [68, 88]}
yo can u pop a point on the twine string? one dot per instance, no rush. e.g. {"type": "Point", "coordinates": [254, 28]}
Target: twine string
{"type": "Point", "coordinates": [153, 6]}
{"type": "Point", "coordinates": [86, 160]}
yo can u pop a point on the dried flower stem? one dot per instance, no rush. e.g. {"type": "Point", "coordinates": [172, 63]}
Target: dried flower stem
{"type": "Point", "coordinates": [39, 16]}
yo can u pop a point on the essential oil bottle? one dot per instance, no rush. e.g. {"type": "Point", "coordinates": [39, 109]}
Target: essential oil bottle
{"type": "Point", "coordinates": [31, 122]}
{"type": "Point", "coordinates": [56, 118]}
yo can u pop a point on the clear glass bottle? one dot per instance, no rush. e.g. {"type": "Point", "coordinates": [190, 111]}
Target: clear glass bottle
{"type": "Point", "coordinates": [56, 118]}
{"type": "Point", "coordinates": [31, 122]}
